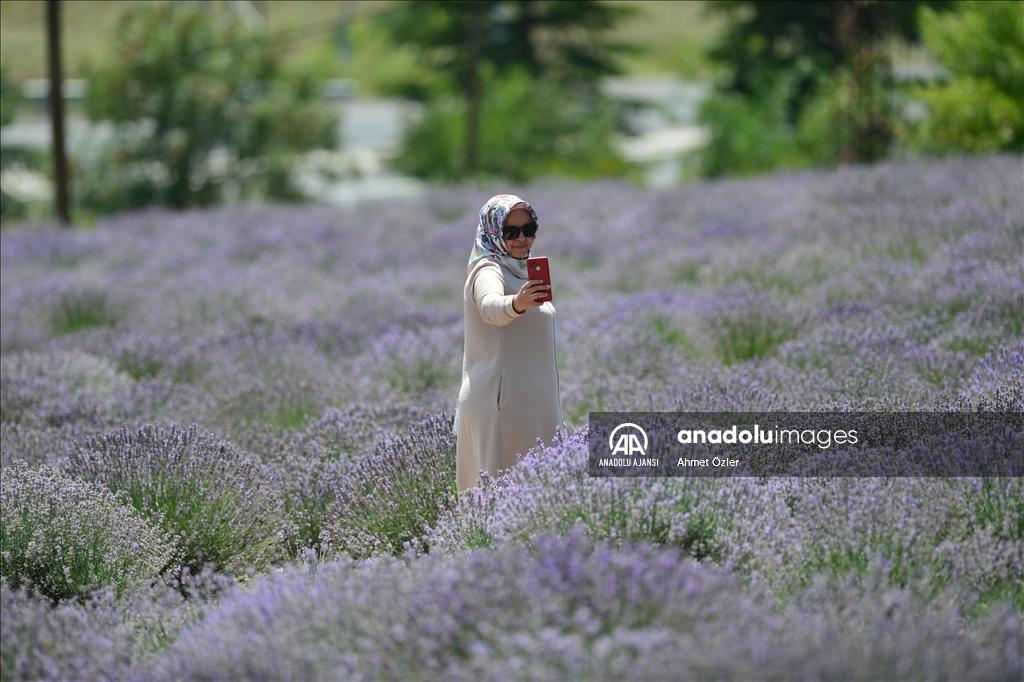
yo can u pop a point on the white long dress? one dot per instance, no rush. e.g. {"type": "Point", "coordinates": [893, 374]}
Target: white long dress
{"type": "Point", "coordinates": [509, 396]}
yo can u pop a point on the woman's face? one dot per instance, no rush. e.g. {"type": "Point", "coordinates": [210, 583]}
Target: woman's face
{"type": "Point", "coordinates": [521, 245]}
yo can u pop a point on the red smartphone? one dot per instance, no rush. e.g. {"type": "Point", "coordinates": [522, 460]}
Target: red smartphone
{"type": "Point", "coordinates": [538, 269]}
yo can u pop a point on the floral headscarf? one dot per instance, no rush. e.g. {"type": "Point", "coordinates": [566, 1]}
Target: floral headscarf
{"type": "Point", "coordinates": [489, 240]}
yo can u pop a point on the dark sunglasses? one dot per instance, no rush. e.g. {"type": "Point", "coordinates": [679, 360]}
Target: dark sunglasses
{"type": "Point", "coordinates": [512, 231]}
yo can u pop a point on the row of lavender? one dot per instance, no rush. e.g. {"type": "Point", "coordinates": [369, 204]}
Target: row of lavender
{"type": "Point", "coordinates": [318, 352]}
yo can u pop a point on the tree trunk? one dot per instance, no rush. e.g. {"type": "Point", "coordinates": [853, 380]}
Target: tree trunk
{"type": "Point", "coordinates": [866, 127]}
{"type": "Point", "coordinates": [60, 161]}
{"type": "Point", "coordinates": [474, 55]}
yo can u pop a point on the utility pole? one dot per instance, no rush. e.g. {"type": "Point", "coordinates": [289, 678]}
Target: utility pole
{"type": "Point", "coordinates": [60, 159]}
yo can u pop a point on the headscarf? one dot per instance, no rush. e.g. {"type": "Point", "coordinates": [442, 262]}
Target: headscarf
{"type": "Point", "coordinates": [489, 240]}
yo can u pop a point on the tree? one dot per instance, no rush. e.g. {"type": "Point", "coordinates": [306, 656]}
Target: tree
{"type": "Point", "coordinates": [561, 41]}
{"type": "Point", "coordinates": [199, 104]}
{"type": "Point", "coordinates": [56, 69]}
{"type": "Point", "coordinates": [800, 50]}
{"type": "Point", "coordinates": [979, 107]}
{"type": "Point", "coordinates": [528, 126]}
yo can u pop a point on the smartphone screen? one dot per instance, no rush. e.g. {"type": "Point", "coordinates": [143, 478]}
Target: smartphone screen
{"type": "Point", "coordinates": [538, 269]}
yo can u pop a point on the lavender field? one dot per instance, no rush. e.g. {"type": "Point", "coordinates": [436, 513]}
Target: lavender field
{"type": "Point", "coordinates": [227, 453]}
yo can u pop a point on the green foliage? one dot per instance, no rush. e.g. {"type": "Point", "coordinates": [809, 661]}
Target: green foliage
{"type": "Point", "coordinates": [81, 310]}
{"type": "Point", "coordinates": [68, 538]}
{"type": "Point", "coordinates": [751, 330]}
{"type": "Point", "coordinates": [747, 136]}
{"type": "Point", "coordinates": [381, 67]}
{"type": "Point", "coordinates": [391, 497]}
{"type": "Point", "coordinates": [432, 148]}
{"type": "Point", "coordinates": [671, 37]}
{"type": "Point", "coordinates": [203, 108]}
{"type": "Point", "coordinates": [9, 98]}
{"type": "Point", "coordinates": [10, 207]}
{"type": "Point", "coordinates": [803, 39]}
{"type": "Point", "coordinates": [751, 136]}
{"type": "Point", "coordinates": [542, 58]}
{"type": "Point", "coordinates": [985, 511]}
{"type": "Point", "coordinates": [421, 375]}
{"type": "Point", "coordinates": [672, 334]}
{"type": "Point", "coordinates": [214, 500]}
{"type": "Point", "coordinates": [565, 40]}
{"type": "Point", "coordinates": [529, 128]}
{"type": "Point", "coordinates": [805, 84]}
{"type": "Point", "coordinates": [980, 107]}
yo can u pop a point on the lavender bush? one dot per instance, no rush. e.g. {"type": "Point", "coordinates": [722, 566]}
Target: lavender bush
{"type": "Point", "coordinates": [40, 445]}
{"type": "Point", "coordinates": [52, 397]}
{"type": "Point", "coordinates": [572, 610]}
{"type": "Point", "coordinates": [102, 637]}
{"type": "Point", "coordinates": [314, 464]}
{"type": "Point", "coordinates": [386, 500]}
{"type": "Point", "coordinates": [82, 309]}
{"type": "Point", "coordinates": [218, 505]}
{"type": "Point", "coordinates": [316, 339]}
{"type": "Point", "coordinates": [549, 492]}
{"type": "Point", "coordinates": [66, 538]}
{"type": "Point", "coordinates": [778, 533]}
{"type": "Point", "coordinates": [57, 388]}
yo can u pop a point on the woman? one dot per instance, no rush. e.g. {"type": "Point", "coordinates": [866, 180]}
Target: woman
{"type": "Point", "coordinates": [509, 395]}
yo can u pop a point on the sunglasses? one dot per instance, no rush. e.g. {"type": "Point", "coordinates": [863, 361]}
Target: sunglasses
{"type": "Point", "coordinates": [512, 231]}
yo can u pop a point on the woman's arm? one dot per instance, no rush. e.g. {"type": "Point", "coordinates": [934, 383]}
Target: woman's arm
{"type": "Point", "coordinates": [488, 291]}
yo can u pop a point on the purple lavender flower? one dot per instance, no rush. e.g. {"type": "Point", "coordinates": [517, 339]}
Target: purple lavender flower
{"type": "Point", "coordinates": [218, 504]}
{"type": "Point", "coordinates": [570, 609]}
{"type": "Point", "coordinates": [66, 538]}
{"type": "Point", "coordinates": [298, 335]}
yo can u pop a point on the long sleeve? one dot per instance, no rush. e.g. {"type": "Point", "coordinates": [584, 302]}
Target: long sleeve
{"type": "Point", "coordinates": [488, 290]}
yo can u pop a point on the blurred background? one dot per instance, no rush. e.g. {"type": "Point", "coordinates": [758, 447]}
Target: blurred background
{"type": "Point", "coordinates": [180, 104]}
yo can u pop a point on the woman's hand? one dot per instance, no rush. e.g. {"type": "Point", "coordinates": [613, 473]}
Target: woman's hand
{"type": "Point", "coordinates": [528, 295]}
